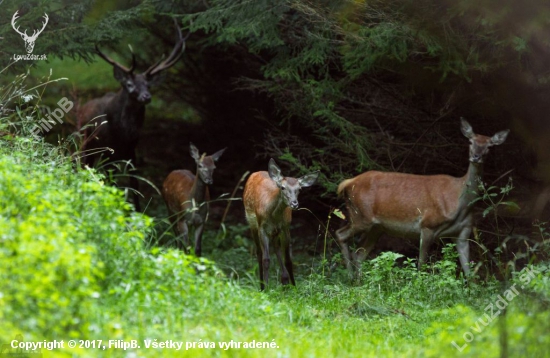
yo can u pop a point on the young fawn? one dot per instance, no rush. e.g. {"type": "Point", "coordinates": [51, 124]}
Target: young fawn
{"type": "Point", "coordinates": [187, 196]}
{"type": "Point", "coordinates": [269, 199]}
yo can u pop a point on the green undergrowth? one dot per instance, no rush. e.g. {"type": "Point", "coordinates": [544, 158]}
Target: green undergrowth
{"type": "Point", "coordinates": [76, 264]}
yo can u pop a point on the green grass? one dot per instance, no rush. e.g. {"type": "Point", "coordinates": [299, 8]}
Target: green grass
{"type": "Point", "coordinates": [77, 264]}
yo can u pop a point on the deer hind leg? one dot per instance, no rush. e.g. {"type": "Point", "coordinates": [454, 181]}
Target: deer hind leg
{"type": "Point", "coordinates": [463, 248]}
{"type": "Point", "coordinates": [198, 239]}
{"type": "Point", "coordinates": [288, 257]}
{"type": "Point", "coordinates": [343, 235]}
{"type": "Point", "coordinates": [285, 278]}
{"type": "Point", "coordinates": [256, 239]}
{"type": "Point", "coordinates": [367, 243]}
{"type": "Point", "coordinates": [286, 266]}
{"type": "Point", "coordinates": [182, 240]}
{"type": "Point", "coordinates": [426, 239]}
{"type": "Point", "coordinates": [264, 267]}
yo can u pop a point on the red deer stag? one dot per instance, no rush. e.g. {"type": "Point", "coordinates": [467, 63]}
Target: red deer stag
{"type": "Point", "coordinates": [115, 120]}
{"type": "Point", "coordinates": [414, 206]}
{"type": "Point", "coordinates": [187, 196]}
{"type": "Point", "coordinates": [269, 199]}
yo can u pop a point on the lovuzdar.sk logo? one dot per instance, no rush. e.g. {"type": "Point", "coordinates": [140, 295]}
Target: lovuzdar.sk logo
{"type": "Point", "coordinates": [29, 39]}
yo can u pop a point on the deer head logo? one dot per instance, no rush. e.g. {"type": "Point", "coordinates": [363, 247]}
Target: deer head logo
{"type": "Point", "coordinates": [29, 40]}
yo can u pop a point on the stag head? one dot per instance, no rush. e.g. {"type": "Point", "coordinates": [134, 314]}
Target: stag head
{"type": "Point", "coordinates": [137, 85]}
{"type": "Point", "coordinates": [29, 40]}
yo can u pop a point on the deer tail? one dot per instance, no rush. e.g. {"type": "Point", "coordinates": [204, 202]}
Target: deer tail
{"type": "Point", "coordinates": [342, 186]}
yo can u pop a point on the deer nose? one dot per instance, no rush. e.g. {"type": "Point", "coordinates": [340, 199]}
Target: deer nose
{"type": "Point", "coordinates": [209, 181]}
{"type": "Point", "coordinates": [476, 158]}
{"type": "Point", "coordinates": [145, 97]}
{"type": "Point", "coordinates": [294, 204]}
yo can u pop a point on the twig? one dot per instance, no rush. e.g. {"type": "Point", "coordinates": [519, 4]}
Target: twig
{"type": "Point", "coordinates": [232, 196]}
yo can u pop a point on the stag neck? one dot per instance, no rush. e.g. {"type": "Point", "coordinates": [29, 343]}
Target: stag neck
{"type": "Point", "coordinates": [470, 184]}
{"type": "Point", "coordinates": [198, 190]}
{"type": "Point", "coordinates": [279, 205]}
{"type": "Point", "coordinates": [124, 103]}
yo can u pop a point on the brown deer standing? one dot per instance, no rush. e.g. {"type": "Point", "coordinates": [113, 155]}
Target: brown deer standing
{"type": "Point", "coordinates": [187, 196]}
{"type": "Point", "coordinates": [115, 120]}
{"type": "Point", "coordinates": [415, 206]}
{"type": "Point", "coordinates": [269, 199]}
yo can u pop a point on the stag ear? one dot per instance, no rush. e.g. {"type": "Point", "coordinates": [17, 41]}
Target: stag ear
{"type": "Point", "coordinates": [120, 75]}
{"type": "Point", "coordinates": [194, 152]}
{"type": "Point", "coordinates": [155, 79]}
{"type": "Point", "coordinates": [218, 154]}
{"type": "Point", "coordinates": [275, 172]}
{"type": "Point", "coordinates": [466, 129]}
{"type": "Point", "coordinates": [308, 179]}
{"type": "Point", "coordinates": [500, 137]}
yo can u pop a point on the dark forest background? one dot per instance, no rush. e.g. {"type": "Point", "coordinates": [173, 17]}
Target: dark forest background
{"type": "Point", "coordinates": [336, 86]}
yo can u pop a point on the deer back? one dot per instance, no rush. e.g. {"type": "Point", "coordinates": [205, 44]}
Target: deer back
{"type": "Point", "coordinates": [177, 190]}
{"type": "Point", "coordinates": [404, 200]}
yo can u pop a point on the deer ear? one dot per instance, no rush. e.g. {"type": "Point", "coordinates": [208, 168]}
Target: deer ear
{"type": "Point", "coordinates": [500, 137]}
{"type": "Point", "coordinates": [120, 74]}
{"type": "Point", "coordinates": [466, 129]}
{"type": "Point", "coordinates": [218, 154]}
{"type": "Point", "coordinates": [194, 152]}
{"type": "Point", "coordinates": [275, 172]}
{"type": "Point", "coordinates": [155, 79]}
{"type": "Point", "coordinates": [308, 179]}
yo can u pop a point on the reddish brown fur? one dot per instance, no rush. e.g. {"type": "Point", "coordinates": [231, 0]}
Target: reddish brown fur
{"type": "Point", "coordinates": [402, 197]}
{"type": "Point", "coordinates": [415, 206]}
{"type": "Point", "coordinates": [187, 197]}
{"type": "Point", "coordinates": [269, 198]}
{"type": "Point", "coordinates": [259, 197]}
{"type": "Point", "coordinates": [177, 190]}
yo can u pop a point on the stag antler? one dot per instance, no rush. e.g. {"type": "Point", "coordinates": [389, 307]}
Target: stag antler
{"type": "Point", "coordinates": [176, 53]}
{"type": "Point", "coordinates": [116, 64]}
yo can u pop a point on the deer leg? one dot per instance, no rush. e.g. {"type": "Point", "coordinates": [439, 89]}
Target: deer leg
{"type": "Point", "coordinates": [184, 233]}
{"type": "Point", "coordinates": [342, 235]}
{"type": "Point", "coordinates": [367, 243]}
{"type": "Point", "coordinates": [284, 271]}
{"type": "Point", "coordinates": [426, 239]}
{"type": "Point", "coordinates": [288, 258]}
{"type": "Point", "coordinates": [463, 248]}
{"type": "Point", "coordinates": [255, 238]}
{"type": "Point", "coordinates": [284, 244]}
{"type": "Point", "coordinates": [198, 239]}
{"type": "Point", "coordinates": [264, 244]}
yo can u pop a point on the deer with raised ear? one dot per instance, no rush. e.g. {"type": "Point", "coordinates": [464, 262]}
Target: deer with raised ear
{"type": "Point", "coordinates": [269, 198]}
{"type": "Point", "coordinates": [187, 197]}
{"type": "Point", "coordinates": [422, 207]}
{"type": "Point", "coordinates": [115, 120]}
